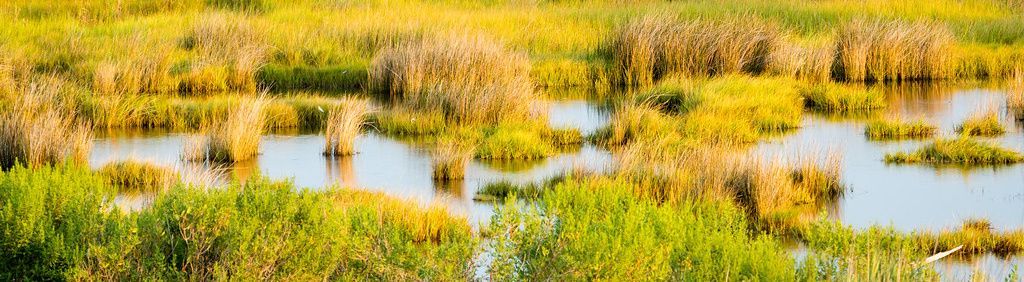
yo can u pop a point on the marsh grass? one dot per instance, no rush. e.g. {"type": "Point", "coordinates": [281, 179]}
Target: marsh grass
{"type": "Point", "coordinates": [1015, 95]}
{"type": "Point", "coordinates": [651, 47]}
{"type": "Point", "coordinates": [514, 142]}
{"type": "Point", "coordinates": [502, 190]}
{"type": "Point", "coordinates": [40, 127]}
{"type": "Point", "coordinates": [896, 129]}
{"type": "Point", "coordinates": [959, 151]}
{"type": "Point", "coordinates": [237, 138]}
{"type": "Point", "coordinates": [139, 176]}
{"type": "Point", "coordinates": [982, 123]}
{"type": "Point", "coordinates": [469, 79]}
{"type": "Point", "coordinates": [876, 50]}
{"type": "Point", "coordinates": [403, 121]}
{"type": "Point", "coordinates": [449, 159]}
{"type": "Point", "coordinates": [977, 236]}
{"type": "Point", "coordinates": [344, 123]}
{"type": "Point", "coordinates": [230, 52]}
{"type": "Point", "coordinates": [834, 97]}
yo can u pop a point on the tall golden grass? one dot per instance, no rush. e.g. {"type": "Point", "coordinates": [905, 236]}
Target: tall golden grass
{"type": "Point", "coordinates": [237, 138]}
{"type": "Point", "coordinates": [652, 47]}
{"type": "Point", "coordinates": [876, 50]}
{"type": "Point", "coordinates": [471, 79]}
{"type": "Point", "coordinates": [343, 124]}
{"type": "Point", "coordinates": [40, 126]}
{"type": "Point", "coordinates": [144, 68]}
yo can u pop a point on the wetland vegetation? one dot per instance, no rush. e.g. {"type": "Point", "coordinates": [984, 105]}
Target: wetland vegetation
{"type": "Point", "coordinates": [690, 90]}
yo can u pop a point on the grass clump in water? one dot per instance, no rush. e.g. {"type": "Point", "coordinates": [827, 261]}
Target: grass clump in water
{"type": "Point", "coordinates": [40, 127]}
{"type": "Point", "coordinates": [834, 97]}
{"type": "Point", "coordinates": [898, 129]}
{"type": "Point", "coordinates": [501, 190]}
{"type": "Point", "coordinates": [513, 142]}
{"type": "Point", "coordinates": [139, 176]}
{"type": "Point", "coordinates": [962, 151]}
{"type": "Point", "coordinates": [469, 79]}
{"type": "Point", "coordinates": [402, 121]}
{"type": "Point", "coordinates": [1015, 95]}
{"type": "Point", "coordinates": [982, 124]}
{"type": "Point", "coordinates": [344, 122]}
{"type": "Point", "coordinates": [235, 139]}
{"type": "Point", "coordinates": [449, 159]}
{"type": "Point", "coordinates": [873, 50]}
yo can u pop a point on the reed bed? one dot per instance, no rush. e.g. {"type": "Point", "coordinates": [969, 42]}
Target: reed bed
{"type": "Point", "coordinates": [230, 52]}
{"type": "Point", "coordinates": [833, 97]}
{"type": "Point", "coordinates": [897, 129]}
{"type": "Point", "coordinates": [960, 151]}
{"type": "Point", "coordinates": [139, 176]}
{"type": "Point", "coordinates": [977, 236]}
{"type": "Point", "coordinates": [40, 127]}
{"type": "Point", "coordinates": [805, 61]}
{"type": "Point", "coordinates": [237, 138]}
{"type": "Point", "coordinates": [470, 79]}
{"type": "Point", "coordinates": [982, 123]}
{"type": "Point", "coordinates": [344, 122]}
{"type": "Point", "coordinates": [449, 159]}
{"type": "Point", "coordinates": [875, 50]}
{"type": "Point", "coordinates": [651, 47]}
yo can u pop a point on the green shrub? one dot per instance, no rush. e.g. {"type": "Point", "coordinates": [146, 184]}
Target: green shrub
{"type": "Point", "coordinates": [598, 230]}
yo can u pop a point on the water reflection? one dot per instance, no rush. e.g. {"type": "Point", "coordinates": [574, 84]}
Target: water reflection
{"type": "Point", "coordinates": [916, 197]}
{"type": "Point", "coordinates": [396, 167]}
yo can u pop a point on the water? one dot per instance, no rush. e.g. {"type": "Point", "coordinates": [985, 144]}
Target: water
{"type": "Point", "coordinates": [916, 197]}
{"type": "Point", "coordinates": [382, 164]}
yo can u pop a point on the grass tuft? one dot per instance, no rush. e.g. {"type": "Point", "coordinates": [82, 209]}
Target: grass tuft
{"type": "Point", "coordinates": [139, 176]}
{"type": "Point", "coordinates": [449, 159]}
{"type": "Point", "coordinates": [343, 125]}
{"type": "Point", "coordinates": [1015, 95]}
{"type": "Point", "coordinates": [237, 138]}
{"type": "Point", "coordinates": [898, 129]}
{"type": "Point", "coordinates": [962, 151]}
{"type": "Point", "coordinates": [983, 123]}
{"type": "Point", "coordinates": [834, 97]}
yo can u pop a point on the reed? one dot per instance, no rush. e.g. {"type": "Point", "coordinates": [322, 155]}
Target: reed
{"type": "Point", "coordinates": [982, 123]}
{"type": "Point", "coordinates": [960, 151]}
{"type": "Point", "coordinates": [237, 138]}
{"type": "Point", "coordinates": [344, 122]}
{"type": "Point", "coordinates": [230, 52]}
{"type": "Point", "coordinates": [470, 79]}
{"type": "Point", "coordinates": [139, 176]}
{"type": "Point", "coordinates": [896, 129]}
{"type": "Point", "coordinates": [42, 128]}
{"type": "Point", "coordinates": [655, 46]}
{"type": "Point", "coordinates": [805, 61]}
{"type": "Point", "coordinates": [876, 50]}
{"type": "Point", "coordinates": [449, 159]}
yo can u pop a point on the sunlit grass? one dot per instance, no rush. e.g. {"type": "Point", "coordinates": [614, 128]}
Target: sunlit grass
{"type": "Point", "coordinates": [896, 129]}
{"type": "Point", "coordinates": [959, 151]}
{"type": "Point", "coordinates": [40, 127]}
{"type": "Point", "coordinates": [237, 138]}
{"type": "Point", "coordinates": [833, 97]}
{"type": "Point", "coordinates": [344, 123]}
{"type": "Point", "coordinates": [139, 176]}
{"type": "Point", "coordinates": [982, 123]}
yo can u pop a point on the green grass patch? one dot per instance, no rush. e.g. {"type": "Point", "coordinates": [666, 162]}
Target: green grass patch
{"type": "Point", "coordinates": [898, 129]}
{"type": "Point", "coordinates": [139, 176]}
{"type": "Point", "coordinates": [513, 142]}
{"type": "Point", "coordinates": [501, 190]}
{"type": "Point", "coordinates": [329, 78]}
{"type": "Point", "coordinates": [986, 124]}
{"type": "Point", "coordinates": [961, 151]}
{"type": "Point", "coordinates": [834, 97]}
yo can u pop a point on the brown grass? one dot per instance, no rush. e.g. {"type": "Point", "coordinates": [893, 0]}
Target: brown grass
{"type": "Point", "coordinates": [470, 79]}
{"type": "Point", "coordinates": [651, 47]}
{"type": "Point", "coordinates": [40, 128]}
{"type": "Point", "coordinates": [873, 50]}
{"type": "Point", "coordinates": [1015, 95]}
{"type": "Point", "coordinates": [343, 124]}
{"type": "Point", "coordinates": [222, 39]}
